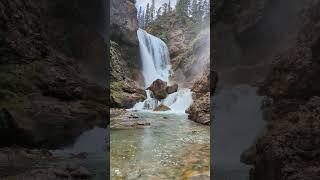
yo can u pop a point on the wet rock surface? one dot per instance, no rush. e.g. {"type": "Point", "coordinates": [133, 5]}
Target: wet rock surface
{"type": "Point", "coordinates": [199, 111]}
{"type": "Point", "coordinates": [289, 149]}
{"type": "Point", "coordinates": [45, 89]}
{"type": "Point", "coordinates": [127, 120]}
{"type": "Point", "coordinates": [160, 90]}
{"type": "Point", "coordinates": [126, 79]}
{"type": "Point", "coordinates": [162, 107]}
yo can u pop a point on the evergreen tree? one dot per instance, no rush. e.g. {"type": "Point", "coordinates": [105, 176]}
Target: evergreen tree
{"type": "Point", "coordinates": [183, 8]}
{"type": "Point", "coordinates": [159, 12]}
{"type": "Point", "coordinates": [143, 20]}
{"type": "Point", "coordinates": [169, 6]}
{"type": "Point", "coordinates": [140, 18]}
{"type": "Point", "coordinates": [147, 15]}
{"type": "Point", "coordinates": [165, 8]}
{"type": "Point", "coordinates": [194, 9]}
{"type": "Point", "coordinates": [200, 10]}
{"type": "Point", "coordinates": [152, 9]}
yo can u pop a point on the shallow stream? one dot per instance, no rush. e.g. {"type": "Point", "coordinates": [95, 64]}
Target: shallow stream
{"type": "Point", "coordinates": [172, 147]}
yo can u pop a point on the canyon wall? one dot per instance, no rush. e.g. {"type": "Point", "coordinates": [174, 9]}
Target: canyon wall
{"type": "Point", "coordinates": [126, 78]}
{"type": "Point", "coordinates": [53, 71]}
{"type": "Point", "coordinates": [290, 147]}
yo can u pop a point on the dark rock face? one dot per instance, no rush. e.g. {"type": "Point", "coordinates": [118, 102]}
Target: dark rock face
{"type": "Point", "coordinates": [58, 172]}
{"type": "Point", "coordinates": [160, 90]}
{"type": "Point", "coordinates": [199, 111]}
{"type": "Point", "coordinates": [125, 94]}
{"type": "Point", "coordinates": [22, 154]}
{"type": "Point", "coordinates": [162, 107]}
{"type": "Point", "coordinates": [52, 71]}
{"type": "Point", "coordinates": [290, 148]}
{"type": "Point", "coordinates": [126, 78]}
{"type": "Point", "coordinates": [250, 33]}
{"type": "Point", "coordinates": [123, 32]}
{"type": "Point", "coordinates": [123, 21]}
{"type": "Point", "coordinates": [172, 89]}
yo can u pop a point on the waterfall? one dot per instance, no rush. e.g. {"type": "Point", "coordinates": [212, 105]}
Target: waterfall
{"type": "Point", "coordinates": [156, 65]}
{"type": "Point", "coordinates": [155, 58]}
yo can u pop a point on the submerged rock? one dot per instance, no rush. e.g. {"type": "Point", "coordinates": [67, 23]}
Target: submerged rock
{"type": "Point", "coordinates": [162, 107]}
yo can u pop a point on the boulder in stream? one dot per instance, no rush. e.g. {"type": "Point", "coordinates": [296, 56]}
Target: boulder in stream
{"type": "Point", "coordinates": [160, 89]}
{"type": "Point", "coordinates": [172, 89]}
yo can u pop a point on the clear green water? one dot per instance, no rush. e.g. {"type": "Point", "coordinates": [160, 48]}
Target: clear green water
{"type": "Point", "coordinates": [172, 147]}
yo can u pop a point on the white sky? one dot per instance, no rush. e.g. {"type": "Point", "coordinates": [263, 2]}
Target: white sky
{"type": "Point", "coordinates": [158, 3]}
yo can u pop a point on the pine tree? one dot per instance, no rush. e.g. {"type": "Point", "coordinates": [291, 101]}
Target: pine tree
{"type": "Point", "coordinates": [183, 8]}
{"type": "Point", "coordinates": [147, 16]}
{"type": "Point", "coordinates": [159, 12]}
{"type": "Point", "coordinates": [169, 7]}
{"type": "Point", "coordinates": [194, 9]}
{"type": "Point", "coordinates": [152, 9]}
{"type": "Point", "coordinates": [140, 18]}
{"type": "Point", "coordinates": [188, 7]}
{"type": "Point", "coordinates": [165, 8]}
{"type": "Point", "coordinates": [143, 20]}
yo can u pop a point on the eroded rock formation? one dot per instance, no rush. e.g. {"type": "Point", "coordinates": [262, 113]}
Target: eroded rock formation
{"type": "Point", "coordinates": [290, 147]}
{"type": "Point", "coordinates": [53, 73]}
{"type": "Point", "coordinates": [126, 78]}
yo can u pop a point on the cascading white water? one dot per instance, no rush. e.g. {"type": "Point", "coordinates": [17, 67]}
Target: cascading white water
{"type": "Point", "coordinates": [156, 65]}
{"type": "Point", "coordinates": [155, 58]}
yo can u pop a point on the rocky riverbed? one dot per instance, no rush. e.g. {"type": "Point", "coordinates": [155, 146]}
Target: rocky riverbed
{"type": "Point", "coordinates": [158, 146]}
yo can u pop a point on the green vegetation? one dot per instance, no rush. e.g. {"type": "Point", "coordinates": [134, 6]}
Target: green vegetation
{"type": "Point", "coordinates": [114, 52]}
{"type": "Point", "coordinates": [117, 88]}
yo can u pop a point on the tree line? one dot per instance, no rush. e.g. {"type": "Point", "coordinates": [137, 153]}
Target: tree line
{"type": "Point", "coordinates": [198, 10]}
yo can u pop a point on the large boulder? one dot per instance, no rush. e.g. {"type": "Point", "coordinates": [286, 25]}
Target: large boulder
{"type": "Point", "coordinates": [172, 89]}
{"type": "Point", "coordinates": [160, 90]}
{"type": "Point", "coordinates": [125, 94]}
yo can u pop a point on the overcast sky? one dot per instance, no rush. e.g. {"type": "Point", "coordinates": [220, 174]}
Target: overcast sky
{"type": "Point", "coordinates": [158, 3]}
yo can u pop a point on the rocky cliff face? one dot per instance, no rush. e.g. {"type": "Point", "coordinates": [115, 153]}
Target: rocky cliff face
{"type": "Point", "coordinates": [53, 73]}
{"type": "Point", "coordinates": [126, 78]}
{"type": "Point", "coordinates": [188, 43]}
{"type": "Point", "coordinates": [189, 48]}
{"type": "Point", "coordinates": [199, 111]}
{"type": "Point", "coordinates": [290, 148]}
{"type": "Point", "coordinates": [249, 33]}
